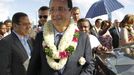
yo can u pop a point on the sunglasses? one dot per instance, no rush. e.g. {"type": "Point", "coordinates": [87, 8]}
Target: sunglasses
{"type": "Point", "coordinates": [44, 16]}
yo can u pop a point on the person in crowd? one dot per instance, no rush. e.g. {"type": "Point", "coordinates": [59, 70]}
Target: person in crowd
{"type": "Point", "coordinates": [97, 27]}
{"type": "Point", "coordinates": [115, 33]}
{"type": "Point", "coordinates": [84, 25]}
{"type": "Point", "coordinates": [75, 14]}
{"type": "Point", "coordinates": [15, 49]}
{"type": "Point", "coordinates": [3, 30]}
{"type": "Point", "coordinates": [43, 14]}
{"type": "Point", "coordinates": [8, 24]}
{"type": "Point", "coordinates": [104, 35]}
{"type": "Point", "coordinates": [127, 33]}
{"type": "Point", "coordinates": [61, 49]}
{"type": "Point", "coordinates": [105, 39]}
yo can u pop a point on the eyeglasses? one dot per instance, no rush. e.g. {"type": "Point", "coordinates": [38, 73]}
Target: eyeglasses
{"type": "Point", "coordinates": [44, 16]}
{"type": "Point", "coordinates": [76, 13]}
{"type": "Point", "coordinates": [25, 24]}
{"type": "Point", "coordinates": [80, 26]}
{"type": "Point", "coordinates": [60, 9]}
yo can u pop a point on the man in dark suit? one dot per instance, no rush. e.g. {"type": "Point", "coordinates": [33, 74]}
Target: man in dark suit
{"type": "Point", "coordinates": [61, 49]}
{"type": "Point", "coordinates": [15, 49]}
{"type": "Point", "coordinates": [115, 33]}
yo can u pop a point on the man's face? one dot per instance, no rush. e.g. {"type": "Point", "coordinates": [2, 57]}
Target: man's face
{"type": "Point", "coordinates": [24, 26]}
{"type": "Point", "coordinates": [116, 23]}
{"type": "Point", "coordinates": [9, 26]}
{"type": "Point", "coordinates": [59, 11]}
{"type": "Point", "coordinates": [98, 24]}
{"type": "Point", "coordinates": [84, 27]}
{"type": "Point", "coordinates": [76, 15]}
{"type": "Point", "coordinates": [43, 16]}
{"type": "Point", "coordinates": [3, 29]}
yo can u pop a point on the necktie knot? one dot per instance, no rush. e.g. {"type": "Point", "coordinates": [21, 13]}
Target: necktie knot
{"type": "Point", "coordinates": [58, 37]}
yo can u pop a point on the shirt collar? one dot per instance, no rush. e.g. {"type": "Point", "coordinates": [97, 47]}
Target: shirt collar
{"type": "Point", "coordinates": [56, 32]}
{"type": "Point", "coordinates": [21, 37]}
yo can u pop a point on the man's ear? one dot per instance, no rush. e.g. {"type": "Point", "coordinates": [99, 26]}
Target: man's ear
{"type": "Point", "coordinates": [15, 25]}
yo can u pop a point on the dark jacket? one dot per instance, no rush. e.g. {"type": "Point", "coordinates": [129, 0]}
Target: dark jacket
{"type": "Point", "coordinates": [39, 66]}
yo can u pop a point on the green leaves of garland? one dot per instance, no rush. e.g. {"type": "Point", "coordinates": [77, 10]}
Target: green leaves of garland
{"type": "Point", "coordinates": [48, 51]}
{"type": "Point", "coordinates": [70, 49]}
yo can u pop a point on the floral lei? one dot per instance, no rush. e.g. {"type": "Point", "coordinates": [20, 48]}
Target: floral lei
{"type": "Point", "coordinates": [66, 46]}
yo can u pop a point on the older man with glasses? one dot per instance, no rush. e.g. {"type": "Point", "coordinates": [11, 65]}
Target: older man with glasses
{"type": "Point", "coordinates": [16, 48]}
{"type": "Point", "coordinates": [61, 49]}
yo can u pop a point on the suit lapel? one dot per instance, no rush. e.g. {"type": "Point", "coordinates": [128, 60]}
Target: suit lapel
{"type": "Point", "coordinates": [74, 58]}
{"type": "Point", "coordinates": [19, 47]}
{"type": "Point", "coordinates": [117, 31]}
{"type": "Point", "coordinates": [30, 44]}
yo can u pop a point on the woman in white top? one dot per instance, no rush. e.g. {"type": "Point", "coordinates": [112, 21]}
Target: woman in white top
{"type": "Point", "coordinates": [127, 33]}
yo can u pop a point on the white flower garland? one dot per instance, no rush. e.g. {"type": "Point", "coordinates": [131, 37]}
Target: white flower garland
{"type": "Point", "coordinates": [64, 43]}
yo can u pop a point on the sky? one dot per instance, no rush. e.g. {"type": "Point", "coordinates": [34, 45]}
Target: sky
{"type": "Point", "coordinates": [9, 7]}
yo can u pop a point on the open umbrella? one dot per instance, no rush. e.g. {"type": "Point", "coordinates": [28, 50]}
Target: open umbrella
{"type": "Point", "coordinates": [103, 7]}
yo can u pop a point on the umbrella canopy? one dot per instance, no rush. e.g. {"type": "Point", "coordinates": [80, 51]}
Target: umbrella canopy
{"type": "Point", "coordinates": [103, 7]}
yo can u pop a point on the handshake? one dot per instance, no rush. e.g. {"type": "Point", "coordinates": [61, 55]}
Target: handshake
{"type": "Point", "coordinates": [101, 50]}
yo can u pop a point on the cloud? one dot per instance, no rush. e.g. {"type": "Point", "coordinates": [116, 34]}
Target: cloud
{"type": "Point", "coordinates": [118, 15]}
{"type": "Point", "coordinates": [6, 0]}
{"type": "Point", "coordinates": [84, 6]}
{"type": "Point", "coordinates": [82, 1]}
{"type": "Point", "coordinates": [126, 2]}
{"type": "Point", "coordinates": [47, 1]}
{"type": "Point", "coordinates": [4, 11]}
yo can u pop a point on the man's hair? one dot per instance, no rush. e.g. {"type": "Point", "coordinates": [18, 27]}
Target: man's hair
{"type": "Point", "coordinates": [1, 24]}
{"type": "Point", "coordinates": [16, 17]}
{"type": "Point", "coordinates": [84, 20]}
{"type": "Point", "coordinates": [127, 18]}
{"type": "Point", "coordinates": [7, 21]}
{"type": "Point", "coordinates": [75, 8]}
{"type": "Point", "coordinates": [43, 8]}
{"type": "Point", "coordinates": [104, 23]}
{"type": "Point", "coordinates": [70, 4]}
{"type": "Point", "coordinates": [97, 20]}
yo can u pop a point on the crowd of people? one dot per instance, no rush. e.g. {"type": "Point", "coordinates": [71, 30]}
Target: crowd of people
{"type": "Point", "coordinates": [5, 28]}
{"type": "Point", "coordinates": [62, 43]}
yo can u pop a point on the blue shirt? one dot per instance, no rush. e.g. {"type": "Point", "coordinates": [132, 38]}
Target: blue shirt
{"type": "Point", "coordinates": [57, 39]}
{"type": "Point", "coordinates": [23, 40]}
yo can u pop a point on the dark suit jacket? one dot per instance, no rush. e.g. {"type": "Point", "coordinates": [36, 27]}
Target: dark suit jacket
{"type": "Point", "coordinates": [12, 56]}
{"type": "Point", "coordinates": [115, 36]}
{"type": "Point", "coordinates": [39, 66]}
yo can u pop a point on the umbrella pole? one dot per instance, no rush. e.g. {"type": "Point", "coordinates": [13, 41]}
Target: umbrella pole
{"type": "Point", "coordinates": [110, 16]}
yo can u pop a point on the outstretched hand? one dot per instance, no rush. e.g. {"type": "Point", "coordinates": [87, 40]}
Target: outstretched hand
{"type": "Point", "coordinates": [101, 49]}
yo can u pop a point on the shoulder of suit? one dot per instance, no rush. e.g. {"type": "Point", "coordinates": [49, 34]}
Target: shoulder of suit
{"type": "Point", "coordinates": [6, 40]}
{"type": "Point", "coordinates": [84, 35]}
